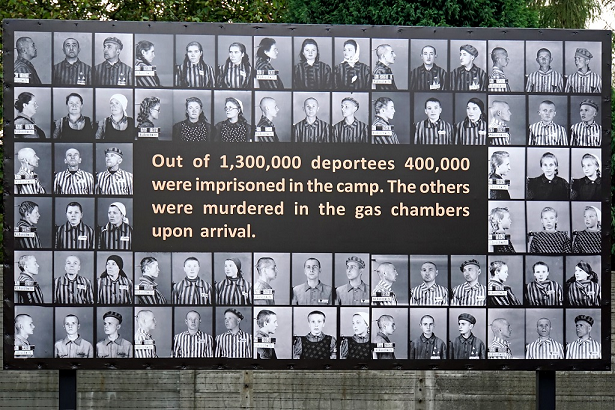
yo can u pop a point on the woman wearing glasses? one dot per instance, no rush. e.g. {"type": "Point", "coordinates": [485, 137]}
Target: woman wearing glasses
{"type": "Point", "coordinates": [235, 128]}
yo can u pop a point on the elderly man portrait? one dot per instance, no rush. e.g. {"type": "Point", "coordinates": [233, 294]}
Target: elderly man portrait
{"type": "Point", "coordinates": [427, 345]}
{"type": "Point", "coordinates": [145, 345]}
{"type": "Point", "coordinates": [383, 291]}
{"type": "Point", "coordinates": [584, 347]}
{"type": "Point", "coordinates": [24, 69]}
{"type": "Point", "coordinates": [193, 342]}
{"type": "Point", "coordinates": [26, 180]}
{"type": "Point", "coordinates": [545, 347]}
{"type": "Point", "coordinates": [71, 70]}
{"type": "Point", "coordinates": [73, 180]}
{"type": "Point", "coordinates": [313, 291]}
{"type": "Point", "coordinates": [72, 288]}
{"type": "Point", "coordinates": [265, 129]}
{"type": "Point", "coordinates": [235, 343]}
{"type": "Point", "coordinates": [500, 346]}
{"type": "Point", "coordinates": [73, 346]}
{"type": "Point", "coordinates": [311, 128]}
{"type": "Point", "coordinates": [74, 234]}
{"type": "Point", "coordinates": [471, 292]}
{"type": "Point", "coordinates": [112, 71]}
{"type": "Point", "coordinates": [114, 180]}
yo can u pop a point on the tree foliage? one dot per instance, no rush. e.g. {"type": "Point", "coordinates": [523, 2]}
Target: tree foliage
{"type": "Point", "coordinates": [566, 13]}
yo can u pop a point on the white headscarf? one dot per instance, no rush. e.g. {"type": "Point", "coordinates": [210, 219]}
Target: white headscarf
{"type": "Point", "coordinates": [123, 101]}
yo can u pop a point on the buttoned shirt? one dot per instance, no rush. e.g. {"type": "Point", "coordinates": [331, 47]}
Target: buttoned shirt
{"type": "Point", "coordinates": [589, 82]}
{"type": "Point", "coordinates": [434, 79]}
{"type": "Point", "coordinates": [79, 236]}
{"type": "Point", "coordinates": [349, 295]}
{"type": "Point", "coordinates": [78, 182]}
{"type": "Point", "coordinates": [469, 295]}
{"type": "Point", "coordinates": [474, 79]}
{"type": "Point", "coordinates": [584, 349]}
{"type": "Point", "coordinates": [433, 295]}
{"type": "Point", "coordinates": [545, 82]}
{"type": "Point", "coordinates": [72, 292]}
{"type": "Point", "coordinates": [78, 348]}
{"type": "Point", "coordinates": [544, 349]}
{"type": "Point", "coordinates": [383, 289]}
{"type": "Point", "coordinates": [381, 338]}
{"type": "Point", "coordinates": [234, 346]}
{"type": "Point", "coordinates": [198, 344]}
{"type": "Point", "coordinates": [259, 288]}
{"type": "Point", "coordinates": [468, 348]}
{"type": "Point", "coordinates": [77, 73]}
{"type": "Point", "coordinates": [547, 134]}
{"type": "Point", "coordinates": [118, 348]}
{"type": "Point", "coordinates": [305, 295]}
{"type": "Point", "coordinates": [298, 345]}
{"type": "Point", "coordinates": [191, 292]}
{"type": "Point", "coordinates": [547, 293]}
{"type": "Point", "coordinates": [119, 182]}
{"type": "Point", "coordinates": [423, 348]}
{"type": "Point", "coordinates": [318, 131]}
{"type": "Point", "coordinates": [355, 132]}
{"type": "Point", "coordinates": [23, 66]}
{"type": "Point", "coordinates": [500, 349]}
{"type": "Point", "coordinates": [583, 134]}
{"type": "Point", "coordinates": [118, 73]}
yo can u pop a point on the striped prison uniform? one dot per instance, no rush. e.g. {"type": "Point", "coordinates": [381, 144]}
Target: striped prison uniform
{"type": "Point", "coordinates": [471, 133]}
{"type": "Point", "coordinates": [264, 122]}
{"type": "Point", "coordinates": [78, 291]}
{"type": "Point", "coordinates": [544, 349]}
{"type": "Point", "coordinates": [78, 182]}
{"type": "Point", "coordinates": [584, 294]}
{"type": "Point", "coordinates": [234, 346]}
{"type": "Point", "coordinates": [466, 295]}
{"type": "Point", "coordinates": [264, 65]}
{"type": "Point", "coordinates": [188, 75]}
{"type": "Point", "coordinates": [382, 69]}
{"type": "Point", "coordinates": [141, 339]}
{"type": "Point", "coordinates": [584, 349]}
{"type": "Point", "coordinates": [23, 66]}
{"type": "Point", "coordinates": [358, 77]}
{"type": "Point", "coordinates": [231, 76]}
{"type": "Point", "coordinates": [501, 347]}
{"type": "Point", "coordinates": [147, 283]}
{"type": "Point", "coordinates": [547, 134]}
{"type": "Point", "coordinates": [353, 133]}
{"type": "Point", "coordinates": [33, 242]}
{"type": "Point", "coordinates": [78, 73]}
{"type": "Point", "coordinates": [115, 237]}
{"type": "Point", "coordinates": [550, 242]}
{"type": "Point", "coordinates": [380, 124]}
{"type": "Point", "coordinates": [544, 82]}
{"type": "Point", "coordinates": [547, 293]}
{"type": "Point", "coordinates": [434, 295]}
{"type": "Point", "coordinates": [312, 77]}
{"type": "Point", "coordinates": [112, 74]}
{"type": "Point", "coordinates": [318, 131]}
{"type": "Point", "coordinates": [583, 134]}
{"type": "Point", "coordinates": [434, 79]}
{"type": "Point", "coordinates": [474, 79]}
{"type": "Point", "coordinates": [234, 291]}
{"type": "Point", "coordinates": [590, 82]}
{"type": "Point", "coordinates": [429, 133]}
{"type": "Point", "coordinates": [33, 188]}
{"type": "Point", "coordinates": [383, 289]}
{"type": "Point", "coordinates": [498, 74]}
{"type": "Point", "coordinates": [509, 299]}
{"type": "Point", "coordinates": [191, 292]}
{"type": "Point", "coordinates": [29, 297]}
{"type": "Point", "coordinates": [119, 182]}
{"type": "Point", "coordinates": [146, 80]}
{"type": "Point", "coordinates": [495, 127]}
{"type": "Point", "coordinates": [74, 237]}
{"type": "Point", "coordinates": [114, 292]}
{"type": "Point", "coordinates": [198, 344]}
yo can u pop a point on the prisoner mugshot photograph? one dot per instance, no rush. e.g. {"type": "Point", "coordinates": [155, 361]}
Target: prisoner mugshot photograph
{"type": "Point", "coordinates": [32, 168]}
{"type": "Point", "coordinates": [548, 120]}
{"type": "Point", "coordinates": [275, 323]}
{"type": "Point", "coordinates": [390, 64]}
{"type": "Point", "coordinates": [313, 63]}
{"type": "Point", "coordinates": [233, 278]}
{"type": "Point", "coordinates": [467, 333]}
{"type": "Point", "coordinates": [193, 332]}
{"type": "Point", "coordinates": [355, 329]}
{"type": "Point", "coordinates": [548, 225]}
{"type": "Point", "coordinates": [195, 63]}
{"type": "Point", "coordinates": [505, 164]}
{"type": "Point", "coordinates": [113, 60]}
{"type": "Point", "coordinates": [114, 223]}
{"type": "Point", "coordinates": [74, 333]}
{"type": "Point", "coordinates": [544, 280]}
{"type": "Point", "coordinates": [153, 114]}
{"type": "Point", "coordinates": [429, 65]}
{"type": "Point", "coordinates": [470, 119]}
{"type": "Point", "coordinates": [506, 218]}
{"type": "Point", "coordinates": [390, 333]}
{"type": "Point", "coordinates": [583, 334]}
{"type": "Point", "coordinates": [351, 71]}
{"type": "Point", "coordinates": [391, 109]}
{"type": "Point", "coordinates": [506, 280]}
{"type": "Point", "coordinates": [586, 126]}
{"type": "Point", "coordinates": [505, 67]}
{"type": "Point", "coordinates": [73, 115]}
{"type": "Point", "coordinates": [312, 279]}
{"type": "Point", "coordinates": [548, 174]}
{"type": "Point", "coordinates": [73, 276]}
{"type": "Point", "coordinates": [114, 272]}
{"type": "Point", "coordinates": [153, 327]}
{"type": "Point", "coordinates": [273, 110]}
{"type": "Point", "coordinates": [33, 331]}
{"type": "Point", "coordinates": [544, 66]}
{"type": "Point", "coordinates": [191, 114]}
{"type": "Point", "coordinates": [433, 119]}
{"type": "Point", "coordinates": [32, 58]}
{"type": "Point", "coordinates": [506, 119]}
{"type": "Point", "coordinates": [233, 121]}
{"type": "Point", "coordinates": [350, 117]}
{"type": "Point", "coordinates": [315, 333]}
{"type": "Point", "coordinates": [390, 280]}
{"type": "Point", "coordinates": [152, 278]}
{"type": "Point", "coordinates": [273, 62]}
{"type": "Point", "coordinates": [72, 59]}
{"type": "Point", "coordinates": [583, 285]}
{"type": "Point", "coordinates": [272, 279]}
{"type": "Point", "coordinates": [191, 279]}
{"type": "Point", "coordinates": [468, 65]}
{"type": "Point", "coordinates": [506, 333]}
{"type": "Point", "coordinates": [586, 175]}
{"type": "Point", "coordinates": [586, 227]}
{"type": "Point", "coordinates": [544, 334]}
{"type": "Point", "coordinates": [428, 334]}
{"type": "Point", "coordinates": [33, 224]}
{"type": "Point", "coordinates": [234, 333]}
{"type": "Point", "coordinates": [153, 62]}
{"type": "Point", "coordinates": [235, 68]}
{"type": "Point", "coordinates": [352, 279]}
{"type": "Point", "coordinates": [583, 67]}
{"type": "Point", "coordinates": [75, 223]}
{"type": "Point", "coordinates": [32, 110]}
{"type": "Point", "coordinates": [469, 275]}
{"type": "Point", "coordinates": [115, 120]}
{"type": "Point", "coordinates": [32, 270]}
{"type": "Point", "coordinates": [312, 117]}
{"type": "Point", "coordinates": [429, 280]}
{"type": "Point", "coordinates": [115, 168]}
{"type": "Point", "coordinates": [114, 332]}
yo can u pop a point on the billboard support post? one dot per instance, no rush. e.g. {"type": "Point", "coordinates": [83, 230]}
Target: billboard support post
{"type": "Point", "coordinates": [68, 389]}
{"type": "Point", "coordinates": [545, 390]}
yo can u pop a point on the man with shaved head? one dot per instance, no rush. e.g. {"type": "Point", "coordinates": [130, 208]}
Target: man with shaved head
{"type": "Point", "coordinates": [26, 180]}
{"type": "Point", "coordinates": [500, 346]}
{"type": "Point", "coordinates": [71, 70]}
{"type": "Point", "coordinates": [265, 129]}
{"type": "Point", "coordinates": [311, 128]}
{"type": "Point", "coordinates": [25, 72]}
{"type": "Point", "coordinates": [545, 347]}
{"type": "Point", "coordinates": [383, 79]}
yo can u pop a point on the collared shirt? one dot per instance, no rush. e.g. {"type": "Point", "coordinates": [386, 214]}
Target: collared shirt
{"type": "Point", "coordinates": [29, 297]}
{"type": "Point", "coordinates": [115, 237]}
{"type": "Point", "coordinates": [262, 64]}
{"type": "Point", "coordinates": [434, 79]}
{"type": "Point", "coordinates": [106, 73]}
{"type": "Point", "coordinates": [119, 182]}
{"type": "Point", "coordinates": [79, 182]}
{"type": "Point", "coordinates": [188, 75]}
{"type": "Point", "coordinates": [259, 287]}
{"type": "Point", "coordinates": [550, 242]}
{"type": "Point", "coordinates": [191, 292]}
{"type": "Point", "coordinates": [547, 134]}
{"type": "Point", "coordinates": [68, 236]}
{"type": "Point", "coordinates": [470, 348]}
{"type": "Point", "coordinates": [586, 293]}
{"type": "Point", "coordinates": [547, 293]}
{"type": "Point", "coordinates": [474, 79]}
{"type": "Point", "coordinates": [33, 242]}
{"type": "Point", "coordinates": [499, 349]}
{"type": "Point", "coordinates": [500, 294]}
{"type": "Point", "coordinates": [156, 298]}
{"type": "Point", "coordinates": [19, 341]}
{"type": "Point", "coordinates": [346, 349]}
{"type": "Point", "coordinates": [119, 348]}
{"type": "Point", "coordinates": [589, 82]}
{"type": "Point", "coordinates": [383, 69]}
{"type": "Point", "coordinates": [357, 77]}
{"type": "Point", "coordinates": [423, 348]}
{"type": "Point", "coordinates": [348, 295]}
{"type": "Point", "coordinates": [584, 134]}
{"type": "Point", "coordinates": [584, 349]}
{"type": "Point", "coordinates": [383, 289]}
{"type": "Point", "coordinates": [236, 291]}
{"type": "Point", "coordinates": [469, 295]}
{"type": "Point", "coordinates": [438, 133]}
{"type": "Point", "coordinates": [471, 133]}
{"type": "Point", "coordinates": [298, 345]}
{"type": "Point", "coordinates": [587, 242]}
{"type": "Point", "coordinates": [142, 338]}
{"type": "Point", "coordinates": [77, 73]}
{"type": "Point", "coordinates": [114, 292]}
{"type": "Point", "coordinates": [355, 132]}
{"type": "Point", "coordinates": [545, 82]}
{"type": "Point", "coordinates": [434, 295]}
{"type": "Point", "coordinates": [380, 124]}
{"type": "Point", "coordinates": [265, 122]}
{"type": "Point", "coordinates": [318, 131]}
{"type": "Point", "coordinates": [543, 189]}
{"type": "Point", "coordinates": [498, 74]}
{"type": "Point", "coordinates": [23, 66]}
{"type": "Point", "coordinates": [319, 295]}
{"type": "Point", "coordinates": [234, 346]}
{"type": "Point", "coordinates": [73, 349]}
{"type": "Point", "coordinates": [496, 127]}
{"type": "Point", "coordinates": [544, 349]}
{"type": "Point", "coordinates": [197, 345]}
{"type": "Point", "coordinates": [312, 77]}
{"type": "Point", "coordinates": [78, 291]}
{"type": "Point", "coordinates": [584, 189]}
{"type": "Point", "coordinates": [264, 352]}
{"type": "Point", "coordinates": [33, 188]}
{"type": "Point", "coordinates": [382, 338]}
{"type": "Point", "coordinates": [231, 76]}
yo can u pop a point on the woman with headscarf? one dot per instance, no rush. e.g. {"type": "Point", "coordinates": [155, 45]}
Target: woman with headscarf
{"type": "Point", "coordinates": [473, 129]}
{"type": "Point", "coordinates": [25, 127]}
{"type": "Point", "coordinates": [234, 289]}
{"type": "Point", "coordinates": [193, 72]}
{"type": "Point", "coordinates": [235, 128]}
{"type": "Point", "coordinates": [311, 73]}
{"type": "Point", "coordinates": [195, 127]}
{"type": "Point", "coordinates": [588, 188]}
{"type": "Point", "coordinates": [117, 233]}
{"type": "Point", "coordinates": [351, 74]}
{"type": "Point", "coordinates": [499, 222]}
{"type": "Point", "coordinates": [267, 51]}
{"type": "Point", "coordinates": [499, 166]}
{"type": "Point", "coordinates": [118, 126]}
{"type": "Point", "coordinates": [143, 65]}
{"type": "Point", "coordinates": [149, 110]}
{"type": "Point", "coordinates": [589, 240]}
{"type": "Point", "coordinates": [582, 288]}
{"type": "Point", "coordinates": [236, 73]}
{"type": "Point", "coordinates": [114, 287]}
{"type": "Point", "coordinates": [358, 345]}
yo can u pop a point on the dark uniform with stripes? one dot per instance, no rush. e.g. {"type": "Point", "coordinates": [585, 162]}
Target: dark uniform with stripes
{"type": "Point", "coordinates": [587, 242]}
{"type": "Point", "coordinates": [347, 77]}
{"type": "Point", "coordinates": [508, 299]}
{"type": "Point", "coordinates": [355, 132]}
{"type": "Point", "coordinates": [78, 182]}
{"type": "Point", "coordinates": [191, 292]}
{"type": "Point", "coordinates": [318, 131]}
{"type": "Point", "coordinates": [546, 293]}
{"type": "Point", "coordinates": [380, 124]}
{"type": "Point", "coordinates": [112, 74]}
{"type": "Point", "coordinates": [157, 298]}
{"type": "Point", "coordinates": [547, 134]}
{"type": "Point", "coordinates": [23, 66]}
{"type": "Point", "coordinates": [231, 76]}
{"type": "Point", "coordinates": [190, 75]}
{"type": "Point", "coordinates": [119, 182]}
{"type": "Point", "coordinates": [584, 294]}
{"type": "Point", "coordinates": [312, 77]}
{"type": "Point", "coordinates": [382, 69]}
{"type": "Point", "coordinates": [78, 291]}
{"type": "Point", "coordinates": [29, 297]}
{"type": "Point", "coordinates": [74, 237]}
{"type": "Point", "coordinates": [550, 242]}
{"type": "Point", "coordinates": [438, 133]}
{"type": "Point", "coordinates": [474, 79]}
{"type": "Point", "coordinates": [145, 80]}
{"type": "Point", "coordinates": [112, 237]}
{"type": "Point", "coordinates": [78, 73]}
{"type": "Point", "coordinates": [237, 291]}
{"type": "Point", "coordinates": [264, 65]}
{"type": "Point", "coordinates": [589, 82]}
{"type": "Point", "coordinates": [264, 122]}
{"type": "Point", "coordinates": [422, 79]}
{"type": "Point", "coordinates": [471, 133]}
{"type": "Point", "coordinates": [33, 242]}
{"type": "Point", "coordinates": [114, 292]}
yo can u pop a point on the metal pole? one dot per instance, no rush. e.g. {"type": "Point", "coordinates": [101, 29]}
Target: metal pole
{"type": "Point", "coordinates": [545, 390]}
{"type": "Point", "coordinates": [68, 390]}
